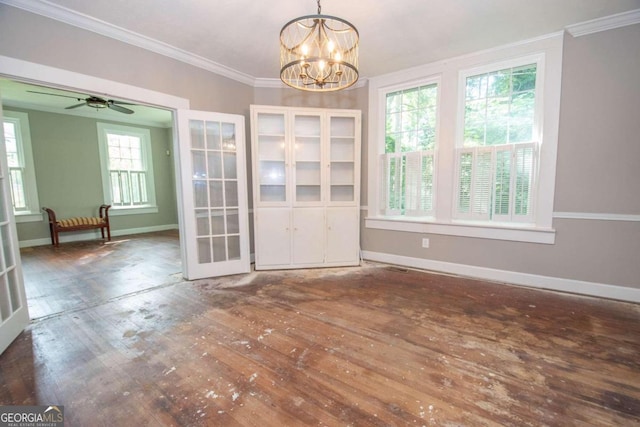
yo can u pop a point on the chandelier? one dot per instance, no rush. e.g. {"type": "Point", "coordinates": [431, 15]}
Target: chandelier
{"type": "Point", "coordinates": [319, 53]}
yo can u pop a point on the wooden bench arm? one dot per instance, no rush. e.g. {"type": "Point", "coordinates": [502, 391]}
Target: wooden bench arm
{"type": "Point", "coordinates": [104, 212]}
{"type": "Point", "coordinates": [52, 215]}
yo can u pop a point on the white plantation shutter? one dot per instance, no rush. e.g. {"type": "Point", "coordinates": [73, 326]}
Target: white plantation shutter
{"type": "Point", "coordinates": [526, 158]}
{"type": "Point", "coordinates": [409, 183]}
{"type": "Point", "coordinates": [392, 188]}
{"type": "Point", "coordinates": [427, 196]}
{"type": "Point", "coordinates": [482, 184]}
{"type": "Point", "coordinates": [502, 183]}
{"type": "Point", "coordinates": [413, 164]}
{"type": "Point", "coordinates": [496, 183]}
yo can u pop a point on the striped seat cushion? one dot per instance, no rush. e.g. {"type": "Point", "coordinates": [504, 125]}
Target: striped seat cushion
{"type": "Point", "coordinates": [72, 222]}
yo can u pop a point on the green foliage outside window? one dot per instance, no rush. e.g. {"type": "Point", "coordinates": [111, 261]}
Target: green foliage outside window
{"type": "Point", "coordinates": [499, 107]}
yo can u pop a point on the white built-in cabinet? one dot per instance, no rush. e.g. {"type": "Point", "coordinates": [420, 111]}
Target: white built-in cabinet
{"type": "Point", "coordinates": [306, 186]}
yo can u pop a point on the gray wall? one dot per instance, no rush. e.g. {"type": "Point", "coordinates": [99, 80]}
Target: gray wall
{"type": "Point", "coordinates": [598, 147]}
{"type": "Point", "coordinates": [67, 167]}
{"type": "Point", "coordinates": [598, 172]}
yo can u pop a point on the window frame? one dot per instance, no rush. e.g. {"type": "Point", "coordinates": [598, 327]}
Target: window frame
{"type": "Point", "coordinates": [145, 137]}
{"type": "Point", "coordinates": [431, 80]}
{"type": "Point", "coordinates": [538, 60]}
{"type": "Point", "coordinates": [450, 122]}
{"type": "Point", "coordinates": [23, 139]}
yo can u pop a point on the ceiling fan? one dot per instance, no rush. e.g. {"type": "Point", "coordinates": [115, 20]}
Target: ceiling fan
{"type": "Point", "coordinates": [93, 102]}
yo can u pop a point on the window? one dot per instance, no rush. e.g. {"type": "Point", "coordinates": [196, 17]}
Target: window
{"type": "Point", "coordinates": [479, 158]}
{"type": "Point", "coordinates": [497, 160]}
{"type": "Point", "coordinates": [409, 158]}
{"type": "Point", "coordinates": [127, 171]}
{"type": "Point", "coordinates": [22, 178]}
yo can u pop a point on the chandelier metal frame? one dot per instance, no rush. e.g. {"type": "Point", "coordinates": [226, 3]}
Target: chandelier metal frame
{"type": "Point", "coordinates": [319, 53]}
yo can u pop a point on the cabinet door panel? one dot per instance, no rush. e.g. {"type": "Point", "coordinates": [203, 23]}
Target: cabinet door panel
{"type": "Point", "coordinates": [308, 235]}
{"type": "Point", "coordinates": [343, 231]}
{"type": "Point", "coordinates": [270, 158]}
{"type": "Point", "coordinates": [273, 237]}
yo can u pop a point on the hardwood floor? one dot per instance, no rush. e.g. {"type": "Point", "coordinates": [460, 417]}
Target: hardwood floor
{"type": "Point", "coordinates": [368, 346]}
{"type": "Point", "coordinates": [77, 275]}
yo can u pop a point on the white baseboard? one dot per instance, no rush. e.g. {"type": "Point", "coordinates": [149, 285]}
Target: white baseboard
{"type": "Point", "coordinates": [512, 277]}
{"type": "Point", "coordinates": [95, 234]}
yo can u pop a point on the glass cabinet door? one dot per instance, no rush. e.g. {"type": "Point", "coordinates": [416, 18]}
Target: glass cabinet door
{"type": "Point", "coordinates": [272, 161]}
{"type": "Point", "coordinates": [342, 155]}
{"type": "Point", "coordinates": [307, 154]}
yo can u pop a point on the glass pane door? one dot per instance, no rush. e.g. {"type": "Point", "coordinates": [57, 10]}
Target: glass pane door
{"type": "Point", "coordinates": [14, 315]}
{"type": "Point", "coordinates": [214, 195]}
{"type": "Point", "coordinates": [307, 158]}
{"type": "Point", "coordinates": [342, 159]}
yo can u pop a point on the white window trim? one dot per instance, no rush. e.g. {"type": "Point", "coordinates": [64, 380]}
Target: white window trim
{"type": "Point", "coordinates": [430, 80]}
{"type": "Point", "coordinates": [145, 137]}
{"type": "Point", "coordinates": [31, 188]}
{"type": "Point", "coordinates": [549, 48]}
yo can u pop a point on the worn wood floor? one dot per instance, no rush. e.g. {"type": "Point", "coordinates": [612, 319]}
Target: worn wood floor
{"type": "Point", "coordinates": [78, 275]}
{"type": "Point", "coordinates": [369, 346]}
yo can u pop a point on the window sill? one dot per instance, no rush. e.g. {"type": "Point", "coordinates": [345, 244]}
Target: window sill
{"type": "Point", "coordinates": [510, 232]}
{"type": "Point", "coordinates": [28, 217]}
{"type": "Point", "coordinates": [137, 210]}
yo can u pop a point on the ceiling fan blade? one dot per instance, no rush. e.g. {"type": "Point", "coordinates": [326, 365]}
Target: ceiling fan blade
{"type": "Point", "coordinates": [118, 108]}
{"type": "Point", "coordinates": [76, 106]}
{"type": "Point", "coordinates": [55, 94]}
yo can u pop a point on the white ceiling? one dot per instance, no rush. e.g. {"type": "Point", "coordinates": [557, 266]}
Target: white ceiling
{"type": "Point", "coordinates": [240, 37]}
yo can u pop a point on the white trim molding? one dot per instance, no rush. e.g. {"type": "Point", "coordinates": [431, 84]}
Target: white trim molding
{"type": "Point", "coordinates": [31, 72]}
{"type": "Point", "coordinates": [618, 20]}
{"type": "Point", "coordinates": [600, 290]}
{"type": "Point", "coordinates": [597, 216]}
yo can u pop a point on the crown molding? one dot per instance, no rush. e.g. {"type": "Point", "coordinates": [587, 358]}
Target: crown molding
{"type": "Point", "coordinates": [623, 19]}
{"type": "Point", "coordinates": [80, 20]}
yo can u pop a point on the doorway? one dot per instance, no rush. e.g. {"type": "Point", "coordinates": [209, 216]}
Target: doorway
{"type": "Point", "coordinates": [212, 203]}
{"type": "Point", "coordinates": [61, 131]}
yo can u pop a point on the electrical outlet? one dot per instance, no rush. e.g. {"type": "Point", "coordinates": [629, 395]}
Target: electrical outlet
{"type": "Point", "coordinates": [425, 243]}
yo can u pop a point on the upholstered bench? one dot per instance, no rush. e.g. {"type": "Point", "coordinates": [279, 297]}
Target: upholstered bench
{"type": "Point", "coordinates": [78, 224]}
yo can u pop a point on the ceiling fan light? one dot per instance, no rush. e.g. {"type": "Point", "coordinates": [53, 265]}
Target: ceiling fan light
{"type": "Point", "coordinates": [96, 103]}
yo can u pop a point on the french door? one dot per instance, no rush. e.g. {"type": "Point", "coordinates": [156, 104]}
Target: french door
{"type": "Point", "coordinates": [214, 211]}
{"type": "Point", "coordinates": [14, 314]}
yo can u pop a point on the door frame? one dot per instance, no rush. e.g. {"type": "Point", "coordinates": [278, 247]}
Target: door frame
{"type": "Point", "coordinates": [34, 73]}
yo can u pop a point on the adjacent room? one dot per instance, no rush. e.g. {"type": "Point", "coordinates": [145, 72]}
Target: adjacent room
{"type": "Point", "coordinates": [57, 137]}
{"type": "Point", "coordinates": [320, 213]}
